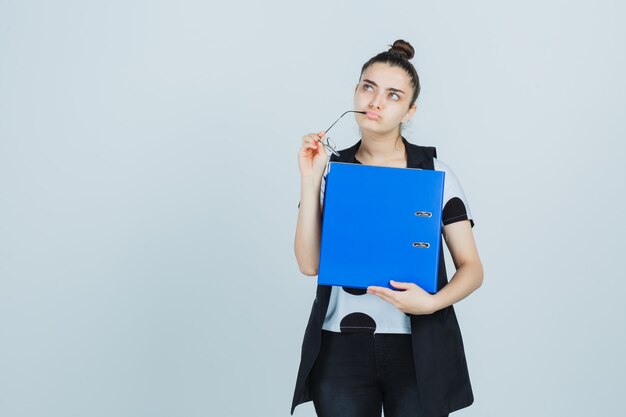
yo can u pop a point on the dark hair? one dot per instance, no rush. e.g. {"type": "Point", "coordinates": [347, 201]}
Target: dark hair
{"type": "Point", "coordinates": [398, 56]}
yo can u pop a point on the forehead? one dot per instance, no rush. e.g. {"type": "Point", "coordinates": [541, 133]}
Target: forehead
{"type": "Point", "coordinates": [387, 76]}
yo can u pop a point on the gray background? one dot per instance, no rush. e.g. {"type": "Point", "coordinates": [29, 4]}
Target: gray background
{"type": "Point", "coordinates": [149, 184]}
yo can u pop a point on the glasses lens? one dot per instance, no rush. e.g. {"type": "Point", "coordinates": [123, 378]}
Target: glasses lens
{"type": "Point", "coordinates": [330, 143]}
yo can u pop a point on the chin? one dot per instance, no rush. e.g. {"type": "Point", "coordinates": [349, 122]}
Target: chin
{"type": "Point", "coordinates": [368, 128]}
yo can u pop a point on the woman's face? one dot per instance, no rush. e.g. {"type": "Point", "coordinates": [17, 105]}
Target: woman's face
{"type": "Point", "coordinates": [385, 93]}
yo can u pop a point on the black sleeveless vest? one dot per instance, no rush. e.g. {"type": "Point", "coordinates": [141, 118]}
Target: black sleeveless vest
{"type": "Point", "coordinates": [438, 354]}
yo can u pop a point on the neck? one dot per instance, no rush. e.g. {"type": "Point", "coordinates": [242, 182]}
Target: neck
{"type": "Point", "coordinates": [382, 147]}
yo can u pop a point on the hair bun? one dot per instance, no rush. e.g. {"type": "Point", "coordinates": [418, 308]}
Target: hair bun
{"type": "Point", "coordinates": [404, 48]}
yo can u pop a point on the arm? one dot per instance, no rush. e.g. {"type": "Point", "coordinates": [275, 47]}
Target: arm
{"type": "Point", "coordinates": [469, 270]}
{"type": "Point", "coordinates": [308, 228]}
{"type": "Point", "coordinates": [312, 161]}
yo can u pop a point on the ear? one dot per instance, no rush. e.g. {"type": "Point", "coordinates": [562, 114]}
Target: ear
{"type": "Point", "coordinates": [409, 113]}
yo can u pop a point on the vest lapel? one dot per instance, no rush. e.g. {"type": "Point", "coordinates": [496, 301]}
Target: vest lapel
{"type": "Point", "coordinates": [419, 156]}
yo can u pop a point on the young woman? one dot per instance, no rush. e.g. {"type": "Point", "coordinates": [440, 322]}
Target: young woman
{"type": "Point", "coordinates": [401, 351]}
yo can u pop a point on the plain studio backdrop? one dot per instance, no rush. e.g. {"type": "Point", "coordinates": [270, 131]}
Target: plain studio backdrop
{"type": "Point", "coordinates": [149, 186]}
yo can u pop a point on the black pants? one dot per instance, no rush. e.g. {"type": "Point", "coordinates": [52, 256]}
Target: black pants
{"type": "Point", "coordinates": [360, 374]}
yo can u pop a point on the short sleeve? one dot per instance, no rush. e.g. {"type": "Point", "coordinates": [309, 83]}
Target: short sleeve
{"type": "Point", "coordinates": [455, 205]}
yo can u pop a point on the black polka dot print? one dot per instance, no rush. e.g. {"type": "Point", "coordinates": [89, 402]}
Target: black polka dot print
{"type": "Point", "coordinates": [357, 323]}
{"type": "Point", "coordinates": [355, 291]}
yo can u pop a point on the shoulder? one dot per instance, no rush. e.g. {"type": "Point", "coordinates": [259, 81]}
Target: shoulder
{"type": "Point", "coordinates": [452, 184]}
{"type": "Point", "coordinates": [455, 205]}
{"type": "Point", "coordinates": [451, 181]}
{"type": "Point", "coordinates": [439, 165]}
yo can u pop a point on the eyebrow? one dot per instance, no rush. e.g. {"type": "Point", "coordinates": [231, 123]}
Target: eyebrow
{"type": "Point", "coordinates": [390, 88]}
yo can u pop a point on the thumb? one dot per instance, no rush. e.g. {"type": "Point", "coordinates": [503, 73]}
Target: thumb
{"type": "Point", "coordinates": [404, 285]}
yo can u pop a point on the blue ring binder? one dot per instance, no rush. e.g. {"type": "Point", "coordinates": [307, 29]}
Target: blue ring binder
{"type": "Point", "coordinates": [368, 238]}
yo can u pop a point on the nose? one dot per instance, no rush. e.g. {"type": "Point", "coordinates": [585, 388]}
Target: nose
{"type": "Point", "coordinates": [376, 102]}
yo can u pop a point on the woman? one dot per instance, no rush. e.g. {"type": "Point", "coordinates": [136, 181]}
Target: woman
{"type": "Point", "coordinates": [399, 350]}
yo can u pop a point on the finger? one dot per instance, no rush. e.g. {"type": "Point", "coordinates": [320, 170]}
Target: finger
{"type": "Point", "coordinates": [314, 142]}
{"type": "Point", "coordinates": [319, 145]}
{"type": "Point", "coordinates": [309, 142]}
{"type": "Point", "coordinates": [384, 291]}
{"type": "Point", "coordinates": [390, 300]}
{"type": "Point", "coordinates": [307, 147]}
{"type": "Point", "coordinates": [405, 285]}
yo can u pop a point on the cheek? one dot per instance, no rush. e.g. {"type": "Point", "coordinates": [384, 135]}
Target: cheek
{"type": "Point", "coordinates": [360, 98]}
{"type": "Point", "coordinates": [397, 118]}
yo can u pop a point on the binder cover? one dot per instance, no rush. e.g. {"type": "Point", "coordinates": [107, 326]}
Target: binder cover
{"type": "Point", "coordinates": [379, 224]}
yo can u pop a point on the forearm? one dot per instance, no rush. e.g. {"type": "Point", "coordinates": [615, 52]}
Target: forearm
{"type": "Point", "coordinates": [308, 228]}
{"type": "Point", "coordinates": [467, 278]}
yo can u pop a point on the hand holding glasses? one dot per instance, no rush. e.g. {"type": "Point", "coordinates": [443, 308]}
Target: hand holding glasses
{"type": "Point", "coordinates": [328, 142]}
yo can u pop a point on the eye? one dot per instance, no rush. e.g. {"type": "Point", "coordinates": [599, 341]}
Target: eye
{"type": "Point", "coordinates": [396, 95]}
{"type": "Point", "coordinates": [366, 86]}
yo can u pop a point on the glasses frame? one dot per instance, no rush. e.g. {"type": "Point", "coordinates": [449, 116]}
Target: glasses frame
{"type": "Point", "coordinates": [333, 147]}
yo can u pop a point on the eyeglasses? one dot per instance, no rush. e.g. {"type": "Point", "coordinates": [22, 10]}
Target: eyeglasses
{"type": "Point", "coordinates": [328, 142]}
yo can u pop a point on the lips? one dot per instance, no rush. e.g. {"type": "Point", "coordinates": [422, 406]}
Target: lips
{"type": "Point", "coordinates": [371, 115]}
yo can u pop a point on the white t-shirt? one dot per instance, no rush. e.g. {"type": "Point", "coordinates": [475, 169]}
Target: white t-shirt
{"type": "Point", "coordinates": [352, 310]}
